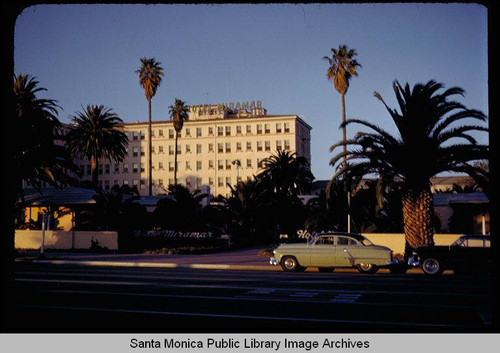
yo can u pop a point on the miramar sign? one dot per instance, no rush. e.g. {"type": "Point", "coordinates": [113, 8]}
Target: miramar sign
{"type": "Point", "coordinates": [222, 107]}
{"type": "Point", "coordinates": [172, 234]}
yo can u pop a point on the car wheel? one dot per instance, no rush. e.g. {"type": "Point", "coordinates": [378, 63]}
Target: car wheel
{"type": "Point", "coordinates": [367, 268]}
{"type": "Point", "coordinates": [326, 269]}
{"type": "Point", "coordinates": [290, 264]}
{"type": "Point", "coordinates": [432, 266]}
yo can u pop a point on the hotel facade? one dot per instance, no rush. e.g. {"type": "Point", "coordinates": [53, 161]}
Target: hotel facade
{"type": "Point", "coordinates": [219, 145]}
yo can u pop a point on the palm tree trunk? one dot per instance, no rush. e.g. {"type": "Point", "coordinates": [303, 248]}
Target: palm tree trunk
{"type": "Point", "coordinates": [95, 172]}
{"type": "Point", "coordinates": [150, 157]}
{"type": "Point", "coordinates": [344, 138]}
{"type": "Point", "coordinates": [175, 158]}
{"type": "Point", "coordinates": [418, 211]}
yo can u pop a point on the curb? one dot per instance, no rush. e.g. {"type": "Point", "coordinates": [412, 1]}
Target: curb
{"type": "Point", "coordinates": [160, 265]}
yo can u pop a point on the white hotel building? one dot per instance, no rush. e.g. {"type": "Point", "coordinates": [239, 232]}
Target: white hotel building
{"type": "Point", "coordinates": [218, 145]}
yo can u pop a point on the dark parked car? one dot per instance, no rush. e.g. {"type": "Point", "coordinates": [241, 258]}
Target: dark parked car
{"type": "Point", "coordinates": [468, 254]}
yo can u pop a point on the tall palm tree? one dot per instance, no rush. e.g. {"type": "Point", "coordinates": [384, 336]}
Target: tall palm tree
{"type": "Point", "coordinates": [429, 127]}
{"type": "Point", "coordinates": [37, 156]}
{"type": "Point", "coordinates": [342, 66]}
{"type": "Point", "coordinates": [96, 134]}
{"type": "Point", "coordinates": [179, 113]}
{"type": "Point", "coordinates": [286, 173]}
{"type": "Point", "coordinates": [150, 74]}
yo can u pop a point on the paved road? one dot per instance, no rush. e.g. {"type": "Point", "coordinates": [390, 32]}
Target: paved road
{"type": "Point", "coordinates": [74, 298]}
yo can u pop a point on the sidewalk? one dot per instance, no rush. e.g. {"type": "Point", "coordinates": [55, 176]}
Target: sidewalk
{"type": "Point", "coordinates": [243, 259]}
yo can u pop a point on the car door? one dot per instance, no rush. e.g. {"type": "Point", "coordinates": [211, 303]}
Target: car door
{"type": "Point", "coordinates": [323, 252]}
{"type": "Point", "coordinates": [346, 251]}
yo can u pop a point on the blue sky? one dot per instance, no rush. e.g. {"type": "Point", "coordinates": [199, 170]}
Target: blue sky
{"type": "Point", "coordinates": [88, 54]}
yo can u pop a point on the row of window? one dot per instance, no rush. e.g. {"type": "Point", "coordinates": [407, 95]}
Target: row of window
{"type": "Point", "coordinates": [140, 184]}
{"type": "Point", "coordinates": [221, 148]}
{"type": "Point", "coordinates": [258, 129]}
{"type": "Point", "coordinates": [198, 166]}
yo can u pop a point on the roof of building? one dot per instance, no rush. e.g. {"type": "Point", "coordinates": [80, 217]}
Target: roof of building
{"type": "Point", "coordinates": [447, 199]}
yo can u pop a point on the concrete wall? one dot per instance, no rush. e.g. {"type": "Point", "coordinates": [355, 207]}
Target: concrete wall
{"type": "Point", "coordinates": [61, 240]}
{"type": "Point", "coordinates": [396, 241]}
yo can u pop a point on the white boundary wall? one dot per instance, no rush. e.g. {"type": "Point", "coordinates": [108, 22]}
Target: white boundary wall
{"type": "Point", "coordinates": [396, 241]}
{"type": "Point", "coordinates": [63, 240]}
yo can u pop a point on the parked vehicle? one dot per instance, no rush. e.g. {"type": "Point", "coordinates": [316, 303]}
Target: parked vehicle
{"type": "Point", "coordinates": [468, 254]}
{"type": "Point", "coordinates": [329, 250]}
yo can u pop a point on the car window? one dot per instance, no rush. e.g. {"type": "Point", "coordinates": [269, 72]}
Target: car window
{"type": "Point", "coordinates": [346, 241]}
{"type": "Point", "coordinates": [475, 243]}
{"type": "Point", "coordinates": [325, 241]}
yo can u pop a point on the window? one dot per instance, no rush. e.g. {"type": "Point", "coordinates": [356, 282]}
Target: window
{"type": "Point", "coordinates": [278, 128]}
{"type": "Point", "coordinates": [220, 148]}
{"type": "Point", "coordinates": [99, 169]}
{"type": "Point", "coordinates": [210, 147]}
{"type": "Point", "coordinates": [188, 149]}
{"type": "Point", "coordinates": [135, 135]}
{"type": "Point", "coordinates": [117, 168]}
{"type": "Point", "coordinates": [228, 147]}
{"type": "Point", "coordinates": [287, 127]}
{"type": "Point", "coordinates": [170, 133]}
{"type": "Point", "coordinates": [188, 165]}
{"type": "Point", "coordinates": [249, 146]}
{"type": "Point", "coordinates": [268, 146]}
{"type": "Point", "coordinates": [198, 165]}
{"type": "Point", "coordinates": [160, 165]}
{"type": "Point", "coordinates": [228, 130]}
{"type": "Point", "coordinates": [220, 131]}
{"type": "Point", "coordinates": [199, 182]}
{"type": "Point", "coordinates": [198, 132]}
{"type": "Point", "coordinates": [188, 132]}
{"type": "Point", "coordinates": [210, 164]}
{"type": "Point", "coordinates": [211, 181]}
{"type": "Point", "coordinates": [171, 150]}
{"type": "Point", "coordinates": [198, 149]}
{"type": "Point", "coordinates": [135, 168]}
{"type": "Point", "coordinates": [220, 181]}
{"type": "Point", "coordinates": [259, 129]}
{"type": "Point", "coordinates": [160, 132]}
{"type": "Point", "coordinates": [107, 168]}
{"type": "Point", "coordinates": [210, 131]}
{"type": "Point", "coordinates": [220, 164]}
{"type": "Point", "coordinates": [125, 168]}
{"type": "Point", "coordinates": [238, 146]}
{"type": "Point", "coordinates": [143, 135]}
{"type": "Point", "coordinates": [259, 146]}
{"type": "Point", "coordinates": [249, 129]}
{"type": "Point", "coordinates": [228, 164]}
{"type": "Point", "coordinates": [143, 184]}
{"type": "Point", "coordinates": [238, 129]}
{"type": "Point", "coordinates": [170, 166]}
{"type": "Point", "coordinates": [279, 145]}
{"type": "Point", "coordinates": [142, 151]}
{"type": "Point", "coordinates": [160, 149]}
{"type": "Point", "coordinates": [249, 163]}
{"type": "Point", "coordinates": [346, 241]}
{"type": "Point", "coordinates": [287, 145]}
{"type": "Point", "coordinates": [267, 128]}
{"type": "Point", "coordinates": [135, 151]}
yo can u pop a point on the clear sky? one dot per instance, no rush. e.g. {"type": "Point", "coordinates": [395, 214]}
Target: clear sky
{"type": "Point", "coordinates": [88, 54]}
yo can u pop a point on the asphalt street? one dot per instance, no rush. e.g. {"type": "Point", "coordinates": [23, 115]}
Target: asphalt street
{"type": "Point", "coordinates": [62, 297]}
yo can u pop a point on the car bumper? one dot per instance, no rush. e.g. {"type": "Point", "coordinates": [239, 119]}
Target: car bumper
{"type": "Point", "coordinates": [273, 261]}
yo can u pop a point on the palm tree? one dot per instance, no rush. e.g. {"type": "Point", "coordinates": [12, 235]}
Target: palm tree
{"type": "Point", "coordinates": [150, 74]}
{"type": "Point", "coordinates": [342, 66]}
{"type": "Point", "coordinates": [96, 134]}
{"type": "Point", "coordinates": [179, 113]}
{"type": "Point", "coordinates": [37, 156]}
{"type": "Point", "coordinates": [286, 173]}
{"type": "Point", "coordinates": [424, 147]}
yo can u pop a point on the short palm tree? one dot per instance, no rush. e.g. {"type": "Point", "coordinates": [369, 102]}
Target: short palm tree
{"type": "Point", "coordinates": [178, 113]}
{"type": "Point", "coordinates": [286, 173]}
{"type": "Point", "coordinates": [150, 74]}
{"type": "Point", "coordinates": [342, 66]}
{"type": "Point", "coordinates": [37, 157]}
{"type": "Point", "coordinates": [429, 128]}
{"type": "Point", "coordinates": [96, 134]}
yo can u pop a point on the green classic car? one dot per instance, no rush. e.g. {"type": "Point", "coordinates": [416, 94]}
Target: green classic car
{"type": "Point", "coordinates": [329, 250]}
